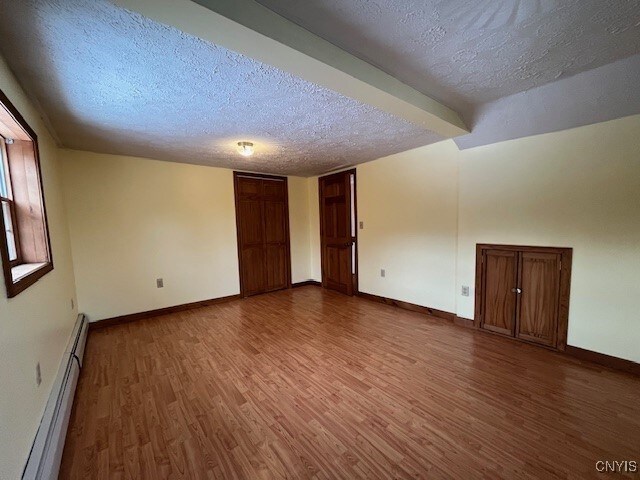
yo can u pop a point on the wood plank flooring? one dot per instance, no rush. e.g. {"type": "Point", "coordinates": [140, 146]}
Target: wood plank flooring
{"type": "Point", "coordinates": [307, 383]}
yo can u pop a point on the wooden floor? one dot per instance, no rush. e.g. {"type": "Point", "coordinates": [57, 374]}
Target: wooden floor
{"type": "Point", "coordinates": [307, 383]}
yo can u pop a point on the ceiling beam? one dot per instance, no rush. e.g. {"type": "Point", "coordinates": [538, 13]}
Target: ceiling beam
{"type": "Point", "coordinates": [249, 28]}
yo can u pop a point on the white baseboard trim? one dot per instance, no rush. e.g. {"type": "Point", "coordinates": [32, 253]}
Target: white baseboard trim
{"type": "Point", "coordinates": [46, 452]}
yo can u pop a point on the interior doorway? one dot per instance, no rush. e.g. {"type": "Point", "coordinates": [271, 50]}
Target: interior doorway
{"type": "Point", "coordinates": [338, 231]}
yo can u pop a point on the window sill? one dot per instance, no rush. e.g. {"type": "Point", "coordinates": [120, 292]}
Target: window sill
{"type": "Point", "coordinates": [25, 275]}
{"type": "Point", "coordinates": [24, 270]}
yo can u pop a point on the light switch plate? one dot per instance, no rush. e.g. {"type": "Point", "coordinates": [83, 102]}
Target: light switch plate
{"type": "Point", "coordinates": [159, 282]}
{"type": "Point", "coordinates": [465, 290]}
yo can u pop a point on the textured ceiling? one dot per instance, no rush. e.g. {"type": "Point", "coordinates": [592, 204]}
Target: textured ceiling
{"type": "Point", "coordinates": [469, 52]}
{"type": "Point", "coordinates": [113, 81]}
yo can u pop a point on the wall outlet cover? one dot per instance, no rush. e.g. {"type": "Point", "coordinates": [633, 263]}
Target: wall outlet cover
{"type": "Point", "coordinates": [159, 282]}
{"type": "Point", "coordinates": [465, 290]}
{"type": "Point", "coordinates": [38, 374]}
{"type": "Point", "coordinates": [383, 273]}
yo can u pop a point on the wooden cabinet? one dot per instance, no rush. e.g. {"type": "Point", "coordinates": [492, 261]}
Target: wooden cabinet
{"type": "Point", "coordinates": [262, 219]}
{"type": "Point", "coordinates": [523, 292]}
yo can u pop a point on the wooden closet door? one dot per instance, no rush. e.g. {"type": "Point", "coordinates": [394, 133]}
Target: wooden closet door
{"type": "Point", "coordinates": [275, 234]}
{"type": "Point", "coordinates": [262, 218]}
{"type": "Point", "coordinates": [250, 235]}
{"type": "Point", "coordinates": [500, 291]}
{"type": "Point", "coordinates": [538, 302]}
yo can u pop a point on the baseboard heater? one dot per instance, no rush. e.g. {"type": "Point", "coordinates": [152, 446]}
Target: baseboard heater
{"type": "Point", "coordinates": [46, 453]}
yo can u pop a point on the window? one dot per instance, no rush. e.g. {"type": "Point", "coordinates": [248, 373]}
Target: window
{"type": "Point", "coordinates": [24, 240]}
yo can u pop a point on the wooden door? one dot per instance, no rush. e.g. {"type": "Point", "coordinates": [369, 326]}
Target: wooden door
{"type": "Point", "coordinates": [276, 238]}
{"type": "Point", "coordinates": [337, 231]}
{"type": "Point", "coordinates": [500, 276]}
{"type": "Point", "coordinates": [262, 219]}
{"type": "Point", "coordinates": [538, 300]}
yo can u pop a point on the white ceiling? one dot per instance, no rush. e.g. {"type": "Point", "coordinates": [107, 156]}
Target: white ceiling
{"type": "Point", "coordinates": [113, 81]}
{"type": "Point", "coordinates": [469, 52]}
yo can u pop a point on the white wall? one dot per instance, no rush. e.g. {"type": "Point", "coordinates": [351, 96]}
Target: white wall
{"type": "Point", "coordinates": [408, 203]}
{"type": "Point", "coordinates": [134, 220]}
{"type": "Point", "coordinates": [578, 188]}
{"type": "Point", "coordinates": [35, 325]}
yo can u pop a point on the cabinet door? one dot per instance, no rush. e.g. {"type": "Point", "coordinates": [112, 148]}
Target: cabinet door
{"type": "Point", "coordinates": [499, 282]}
{"type": "Point", "coordinates": [539, 281]}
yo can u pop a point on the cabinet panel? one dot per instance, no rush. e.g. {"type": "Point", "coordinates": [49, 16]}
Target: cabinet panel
{"type": "Point", "coordinates": [539, 297]}
{"type": "Point", "coordinates": [499, 285]}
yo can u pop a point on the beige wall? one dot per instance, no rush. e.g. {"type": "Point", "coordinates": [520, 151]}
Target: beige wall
{"type": "Point", "coordinates": [299, 229]}
{"type": "Point", "coordinates": [134, 220]}
{"type": "Point", "coordinates": [34, 326]}
{"type": "Point", "coordinates": [314, 230]}
{"type": "Point", "coordinates": [408, 203]}
{"type": "Point", "coordinates": [578, 188]}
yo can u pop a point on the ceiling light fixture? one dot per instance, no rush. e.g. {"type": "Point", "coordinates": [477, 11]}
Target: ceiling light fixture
{"type": "Point", "coordinates": [245, 149]}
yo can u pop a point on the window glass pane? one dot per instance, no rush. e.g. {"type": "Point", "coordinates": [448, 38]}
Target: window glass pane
{"type": "Point", "coordinates": [4, 174]}
{"type": "Point", "coordinates": [8, 223]}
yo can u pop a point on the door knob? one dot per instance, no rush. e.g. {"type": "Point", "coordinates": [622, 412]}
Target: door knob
{"type": "Point", "coordinates": [516, 290]}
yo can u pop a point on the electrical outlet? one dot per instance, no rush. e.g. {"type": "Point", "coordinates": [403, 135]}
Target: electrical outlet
{"type": "Point", "coordinates": [38, 374]}
{"type": "Point", "coordinates": [159, 282]}
{"type": "Point", "coordinates": [361, 225]}
{"type": "Point", "coordinates": [383, 273]}
{"type": "Point", "coordinates": [465, 290]}
{"type": "Point", "coordinates": [73, 304]}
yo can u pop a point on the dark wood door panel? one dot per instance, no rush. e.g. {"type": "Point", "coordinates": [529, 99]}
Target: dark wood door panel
{"type": "Point", "coordinates": [337, 271]}
{"type": "Point", "coordinates": [276, 267]}
{"type": "Point", "coordinates": [250, 222]}
{"type": "Point", "coordinates": [500, 279]}
{"type": "Point", "coordinates": [274, 222]}
{"type": "Point", "coordinates": [249, 187]}
{"type": "Point", "coordinates": [253, 269]}
{"type": "Point", "coordinates": [336, 237]}
{"type": "Point", "coordinates": [262, 218]}
{"type": "Point", "coordinates": [539, 281]}
{"type": "Point", "coordinates": [274, 189]}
